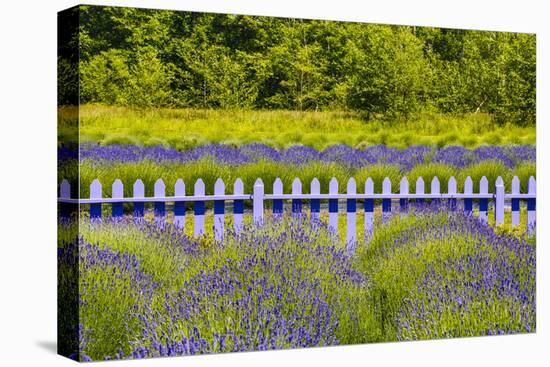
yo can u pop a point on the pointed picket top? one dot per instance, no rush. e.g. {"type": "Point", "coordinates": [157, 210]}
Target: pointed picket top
{"type": "Point", "coordinates": [468, 185]}
{"type": "Point", "coordinates": [65, 190]}
{"type": "Point", "coordinates": [369, 186]}
{"type": "Point", "coordinates": [179, 188]}
{"type": "Point", "coordinates": [296, 186]}
{"type": "Point", "coordinates": [278, 186]}
{"type": "Point", "coordinates": [532, 187]}
{"type": "Point", "coordinates": [238, 187]}
{"type": "Point", "coordinates": [199, 187]}
{"type": "Point", "coordinates": [160, 188]}
{"type": "Point", "coordinates": [139, 189]}
{"type": "Point", "coordinates": [219, 187]}
{"type": "Point", "coordinates": [419, 185]}
{"type": "Point", "coordinates": [515, 185]}
{"type": "Point", "coordinates": [451, 186]}
{"type": "Point", "coordinates": [404, 186]}
{"type": "Point", "coordinates": [483, 185]}
{"type": "Point", "coordinates": [435, 186]}
{"type": "Point", "coordinates": [499, 181]}
{"type": "Point", "coordinates": [95, 189]}
{"type": "Point", "coordinates": [333, 186]}
{"type": "Point", "coordinates": [352, 186]}
{"type": "Point", "coordinates": [258, 182]}
{"type": "Point", "coordinates": [315, 187]}
{"type": "Point", "coordinates": [386, 186]}
{"type": "Point", "coordinates": [117, 189]}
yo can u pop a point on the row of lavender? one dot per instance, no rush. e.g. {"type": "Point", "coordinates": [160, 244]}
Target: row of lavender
{"type": "Point", "coordinates": [457, 156]}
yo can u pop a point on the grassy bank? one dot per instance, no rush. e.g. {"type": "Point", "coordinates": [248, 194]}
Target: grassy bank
{"type": "Point", "coordinates": [185, 128]}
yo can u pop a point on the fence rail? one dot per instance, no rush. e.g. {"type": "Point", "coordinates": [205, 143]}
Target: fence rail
{"type": "Point", "coordinates": [259, 199]}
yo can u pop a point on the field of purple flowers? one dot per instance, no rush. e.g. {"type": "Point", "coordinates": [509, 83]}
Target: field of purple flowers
{"type": "Point", "coordinates": [148, 290]}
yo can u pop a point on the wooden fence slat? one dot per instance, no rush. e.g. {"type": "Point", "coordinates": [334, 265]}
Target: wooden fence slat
{"type": "Point", "coordinates": [139, 193]}
{"type": "Point", "coordinates": [386, 203]}
{"type": "Point", "coordinates": [404, 189]}
{"type": "Point", "coordinates": [238, 206]}
{"type": "Point", "coordinates": [515, 202]}
{"type": "Point", "coordinates": [451, 189]}
{"type": "Point", "coordinates": [420, 189]}
{"type": "Point", "coordinates": [258, 202]}
{"type": "Point", "coordinates": [95, 193]}
{"type": "Point", "coordinates": [531, 206]}
{"type": "Point", "coordinates": [198, 208]}
{"type": "Point", "coordinates": [296, 203]}
{"type": "Point", "coordinates": [333, 206]}
{"type": "Point", "coordinates": [179, 206]}
{"type": "Point", "coordinates": [117, 192]}
{"type": "Point", "coordinates": [315, 188]}
{"type": "Point", "coordinates": [160, 207]}
{"type": "Point", "coordinates": [219, 210]}
{"type": "Point", "coordinates": [351, 208]}
{"type": "Point", "coordinates": [468, 189]}
{"type": "Point", "coordinates": [369, 210]}
{"type": "Point", "coordinates": [277, 203]}
{"type": "Point", "coordinates": [499, 201]}
{"type": "Point", "coordinates": [483, 203]}
{"type": "Point", "coordinates": [435, 188]}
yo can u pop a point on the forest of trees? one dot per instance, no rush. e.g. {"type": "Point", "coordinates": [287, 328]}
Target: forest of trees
{"type": "Point", "coordinates": [163, 58]}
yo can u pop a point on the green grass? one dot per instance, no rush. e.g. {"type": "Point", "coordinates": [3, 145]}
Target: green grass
{"type": "Point", "coordinates": [185, 128]}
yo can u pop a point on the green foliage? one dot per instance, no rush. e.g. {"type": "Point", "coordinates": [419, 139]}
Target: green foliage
{"type": "Point", "coordinates": [144, 57]}
{"type": "Point", "coordinates": [430, 170]}
{"type": "Point", "coordinates": [489, 169]}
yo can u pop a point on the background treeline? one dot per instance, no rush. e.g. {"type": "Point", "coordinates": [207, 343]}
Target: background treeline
{"type": "Point", "coordinates": [154, 58]}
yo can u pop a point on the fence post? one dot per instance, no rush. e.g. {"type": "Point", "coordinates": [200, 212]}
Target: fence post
{"type": "Point", "coordinates": [515, 202]}
{"type": "Point", "coordinates": [315, 209]}
{"type": "Point", "coordinates": [386, 203]}
{"type": "Point", "coordinates": [531, 206]}
{"type": "Point", "coordinates": [65, 193]}
{"type": "Point", "coordinates": [160, 207]}
{"type": "Point", "coordinates": [296, 203]}
{"type": "Point", "coordinates": [219, 210]}
{"type": "Point", "coordinates": [468, 190]}
{"type": "Point", "coordinates": [139, 193]}
{"type": "Point", "coordinates": [258, 202]}
{"type": "Point", "coordinates": [499, 201]}
{"type": "Point", "coordinates": [198, 208]}
{"type": "Point", "coordinates": [117, 192]}
{"type": "Point", "coordinates": [277, 203]}
{"type": "Point", "coordinates": [435, 188]}
{"type": "Point", "coordinates": [483, 203]}
{"type": "Point", "coordinates": [238, 206]}
{"type": "Point", "coordinates": [179, 206]}
{"type": "Point", "coordinates": [419, 189]}
{"type": "Point", "coordinates": [351, 207]}
{"type": "Point", "coordinates": [451, 190]}
{"type": "Point", "coordinates": [404, 190]}
{"type": "Point", "coordinates": [333, 205]}
{"type": "Point", "coordinates": [95, 193]}
{"type": "Point", "coordinates": [369, 210]}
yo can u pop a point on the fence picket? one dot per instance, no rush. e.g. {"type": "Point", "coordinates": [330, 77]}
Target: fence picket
{"type": "Point", "coordinates": [117, 192]}
{"type": "Point", "coordinates": [435, 188]}
{"type": "Point", "coordinates": [404, 190]}
{"type": "Point", "coordinates": [468, 189]}
{"type": "Point", "coordinates": [333, 206]}
{"type": "Point", "coordinates": [499, 201]}
{"type": "Point", "coordinates": [65, 193]}
{"type": "Point", "coordinates": [296, 203]}
{"type": "Point", "coordinates": [179, 206]}
{"type": "Point", "coordinates": [238, 206]}
{"type": "Point", "coordinates": [369, 210]}
{"type": "Point", "coordinates": [351, 208]}
{"type": "Point", "coordinates": [419, 189]}
{"type": "Point", "coordinates": [386, 203]}
{"type": "Point", "coordinates": [531, 206]}
{"type": "Point", "coordinates": [515, 202]}
{"type": "Point", "coordinates": [315, 209]}
{"type": "Point", "coordinates": [219, 210]}
{"type": "Point", "coordinates": [160, 207]}
{"type": "Point", "coordinates": [139, 193]}
{"type": "Point", "coordinates": [451, 189]}
{"type": "Point", "coordinates": [258, 202]}
{"type": "Point", "coordinates": [483, 203]}
{"type": "Point", "coordinates": [277, 203]}
{"type": "Point", "coordinates": [198, 208]}
{"type": "Point", "coordinates": [95, 193]}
